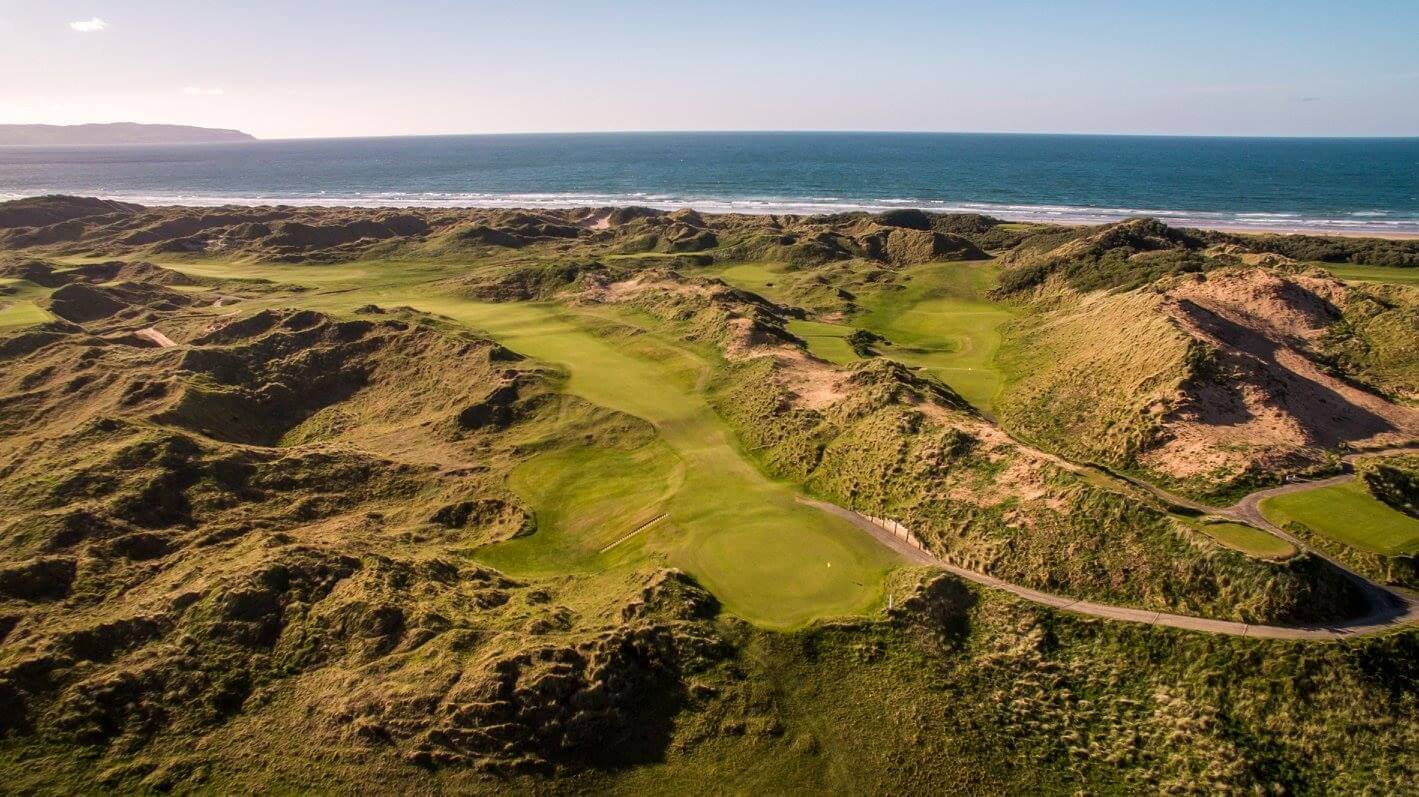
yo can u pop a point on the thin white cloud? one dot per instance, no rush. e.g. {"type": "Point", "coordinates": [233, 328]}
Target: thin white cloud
{"type": "Point", "coordinates": [202, 91]}
{"type": "Point", "coordinates": [90, 25]}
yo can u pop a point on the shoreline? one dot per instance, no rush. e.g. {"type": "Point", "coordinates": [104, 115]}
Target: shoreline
{"type": "Point", "coordinates": [1062, 217]}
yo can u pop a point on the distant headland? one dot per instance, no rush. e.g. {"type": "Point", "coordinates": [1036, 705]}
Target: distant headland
{"type": "Point", "coordinates": [98, 135]}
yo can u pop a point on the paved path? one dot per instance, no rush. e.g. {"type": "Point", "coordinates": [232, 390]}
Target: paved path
{"type": "Point", "coordinates": [1389, 608]}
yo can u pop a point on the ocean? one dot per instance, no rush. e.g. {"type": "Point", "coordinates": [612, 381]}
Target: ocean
{"type": "Point", "coordinates": [1320, 185]}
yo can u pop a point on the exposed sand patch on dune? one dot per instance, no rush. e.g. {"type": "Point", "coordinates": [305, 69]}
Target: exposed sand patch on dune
{"type": "Point", "coordinates": [1269, 395]}
{"type": "Point", "coordinates": [155, 336]}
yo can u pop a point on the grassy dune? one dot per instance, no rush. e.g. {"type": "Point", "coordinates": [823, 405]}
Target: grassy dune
{"type": "Point", "coordinates": [357, 599]}
{"type": "Point", "coordinates": [1348, 514]}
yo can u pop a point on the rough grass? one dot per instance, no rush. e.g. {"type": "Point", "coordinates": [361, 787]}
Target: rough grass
{"type": "Point", "coordinates": [789, 564]}
{"type": "Point", "coordinates": [329, 635]}
{"type": "Point", "coordinates": [1081, 378]}
{"type": "Point", "coordinates": [1347, 513]}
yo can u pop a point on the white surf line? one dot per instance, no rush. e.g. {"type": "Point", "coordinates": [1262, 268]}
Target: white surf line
{"type": "Point", "coordinates": [634, 532]}
{"type": "Point", "coordinates": [1377, 620]}
{"type": "Point", "coordinates": [151, 333]}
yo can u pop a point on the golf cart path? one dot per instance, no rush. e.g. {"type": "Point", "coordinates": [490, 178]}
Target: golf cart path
{"type": "Point", "coordinates": [1399, 609]}
{"type": "Point", "coordinates": [1248, 509]}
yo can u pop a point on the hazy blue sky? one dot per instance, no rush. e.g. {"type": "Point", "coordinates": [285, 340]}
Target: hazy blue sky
{"type": "Point", "coordinates": [280, 68]}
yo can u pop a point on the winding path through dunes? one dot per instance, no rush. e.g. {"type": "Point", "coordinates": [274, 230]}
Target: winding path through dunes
{"type": "Point", "coordinates": [1393, 610]}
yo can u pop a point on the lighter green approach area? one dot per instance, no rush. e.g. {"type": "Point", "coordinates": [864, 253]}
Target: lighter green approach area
{"type": "Point", "coordinates": [938, 318]}
{"type": "Point", "coordinates": [1387, 274]}
{"type": "Point", "coordinates": [942, 322]}
{"type": "Point", "coordinates": [1246, 539]}
{"type": "Point", "coordinates": [595, 507]}
{"type": "Point", "coordinates": [740, 533]}
{"type": "Point", "coordinates": [1349, 514]}
{"type": "Point", "coordinates": [21, 314]}
{"type": "Point", "coordinates": [826, 341]}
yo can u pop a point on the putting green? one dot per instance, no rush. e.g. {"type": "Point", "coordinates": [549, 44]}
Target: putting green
{"type": "Point", "coordinates": [1349, 514]}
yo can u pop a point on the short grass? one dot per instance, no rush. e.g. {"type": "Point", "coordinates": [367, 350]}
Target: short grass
{"type": "Point", "coordinates": [938, 318]}
{"type": "Point", "coordinates": [592, 505]}
{"type": "Point", "coordinates": [21, 314]}
{"type": "Point", "coordinates": [1247, 539]}
{"type": "Point", "coordinates": [742, 534]}
{"type": "Point", "coordinates": [942, 322]}
{"type": "Point", "coordinates": [19, 304]}
{"type": "Point", "coordinates": [825, 341]}
{"type": "Point", "coordinates": [760, 278]}
{"type": "Point", "coordinates": [1348, 514]}
{"type": "Point", "coordinates": [1386, 274]}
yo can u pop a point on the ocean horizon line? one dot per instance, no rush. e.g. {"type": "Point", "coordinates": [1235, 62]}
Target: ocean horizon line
{"type": "Point", "coordinates": [1303, 185]}
{"type": "Point", "coordinates": [1375, 223]}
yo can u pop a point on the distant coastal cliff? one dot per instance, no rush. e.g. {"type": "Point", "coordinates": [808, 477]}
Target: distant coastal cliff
{"type": "Point", "coordinates": [118, 133]}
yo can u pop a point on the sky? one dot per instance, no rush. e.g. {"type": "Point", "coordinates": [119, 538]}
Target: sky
{"type": "Point", "coordinates": [319, 68]}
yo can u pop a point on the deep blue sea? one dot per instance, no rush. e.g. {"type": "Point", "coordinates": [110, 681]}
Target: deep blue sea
{"type": "Point", "coordinates": [1353, 185]}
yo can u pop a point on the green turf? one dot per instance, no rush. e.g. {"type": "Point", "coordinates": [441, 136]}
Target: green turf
{"type": "Point", "coordinates": [825, 341]}
{"type": "Point", "coordinates": [759, 278]}
{"type": "Point", "coordinates": [941, 321]}
{"type": "Point", "coordinates": [21, 314]}
{"type": "Point", "coordinates": [593, 507]}
{"type": "Point", "coordinates": [1247, 539]}
{"type": "Point", "coordinates": [740, 533]}
{"type": "Point", "coordinates": [1389, 274]}
{"type": "Point", "coordinates": [1349, 514]}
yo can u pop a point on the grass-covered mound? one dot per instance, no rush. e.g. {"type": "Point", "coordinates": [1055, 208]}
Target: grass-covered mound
{"type": "Point", "coordinates": [1211, 383]}
{"type": "Point", "coordinates": [1393, 480]}
{"type": "Point", "coordinates": [632, 685]}
{"type": "Point", "coordinates": [985, 504]}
